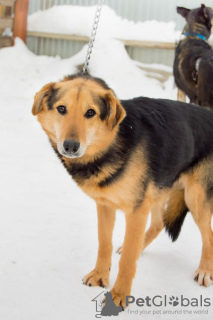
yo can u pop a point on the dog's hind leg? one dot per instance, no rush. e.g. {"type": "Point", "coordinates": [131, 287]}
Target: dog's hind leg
{"type": "Point", "coordinates": [204, 88]}
{"type": "Point", "coordinates": [181, 96]}
{"type": "Point", "coordinates": [200, 208]}
{"type": "Point", "coordinates": [155, 228]}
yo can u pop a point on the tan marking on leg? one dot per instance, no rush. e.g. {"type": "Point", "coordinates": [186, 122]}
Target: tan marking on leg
{"type": "Point", "coordinates": [100, 275]}
{"type": "Point", "coordinates": [156, 225]}
{"type": "Point", "coordinates": [181, 96]}
{"type": "Point", "coordinates": [201, 212]}
{"type": "Point", "coordinates": [155, 228]}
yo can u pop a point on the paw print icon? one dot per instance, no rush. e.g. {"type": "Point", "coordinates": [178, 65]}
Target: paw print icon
{"type": "Point", "coordinates": [174, 301]}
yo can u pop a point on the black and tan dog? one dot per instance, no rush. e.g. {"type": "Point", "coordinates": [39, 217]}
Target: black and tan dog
{"type": "Point", "coordinates": [136, 155]}
{"type": "Point", "coordinates": [193, 65]}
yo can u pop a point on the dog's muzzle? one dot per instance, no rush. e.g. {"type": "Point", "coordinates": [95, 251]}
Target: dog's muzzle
{"type": "Point", "coordinates": [71, 149]}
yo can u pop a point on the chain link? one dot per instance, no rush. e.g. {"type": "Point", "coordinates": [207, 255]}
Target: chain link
{"type": "Point", "coordinates": [92, 37]}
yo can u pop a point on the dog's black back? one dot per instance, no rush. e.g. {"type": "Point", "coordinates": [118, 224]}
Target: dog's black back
{"type": "Point", "coordinates": [175, 137]}
{"type": "Point", "coordinates": [193, 64]}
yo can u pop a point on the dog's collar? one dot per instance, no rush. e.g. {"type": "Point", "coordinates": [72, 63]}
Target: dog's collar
{"type": "Point", "coordinates": [188, 34]}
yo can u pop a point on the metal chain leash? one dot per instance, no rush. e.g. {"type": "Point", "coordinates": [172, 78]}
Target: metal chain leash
{"type": "Point", "coordinates": [92, 37]}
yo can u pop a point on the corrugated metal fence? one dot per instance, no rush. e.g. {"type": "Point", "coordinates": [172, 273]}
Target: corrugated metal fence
{"type": "Point", "coordinates": [136, 10]}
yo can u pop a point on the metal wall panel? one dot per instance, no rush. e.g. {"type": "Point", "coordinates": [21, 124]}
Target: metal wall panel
{"type": "Point", "coordinates": [136, 10]}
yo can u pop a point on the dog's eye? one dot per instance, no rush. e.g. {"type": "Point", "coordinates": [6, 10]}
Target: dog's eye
{"type": "Point", "coordinates": [62, 109]}
{"type": "Point", "coordinates": [90, 113]}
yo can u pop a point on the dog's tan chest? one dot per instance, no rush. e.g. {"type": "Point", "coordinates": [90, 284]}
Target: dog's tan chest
{"type": "Point", "coordinates": [125, 193]}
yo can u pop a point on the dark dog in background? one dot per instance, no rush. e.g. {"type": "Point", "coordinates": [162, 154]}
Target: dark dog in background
{"type": "Point", "coordinates": [193, 65]}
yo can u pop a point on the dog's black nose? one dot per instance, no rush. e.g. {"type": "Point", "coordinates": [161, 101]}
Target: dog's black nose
{"type": "Point", "coordinates": [71, 146]}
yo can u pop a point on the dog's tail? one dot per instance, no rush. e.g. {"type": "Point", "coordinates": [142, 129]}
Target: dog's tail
{"type": "Point", "coordinates": [175, 213]}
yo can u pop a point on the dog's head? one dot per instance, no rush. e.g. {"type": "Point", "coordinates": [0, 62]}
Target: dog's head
{"type": "Point", "coordinates": [80, 115]}
{"type": "Point", "coordinates": [198, 20]}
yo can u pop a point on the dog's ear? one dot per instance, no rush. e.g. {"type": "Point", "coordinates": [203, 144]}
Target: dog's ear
{"type": "Point", "coordinates": [183, 11]}
{"type": "Point", "coordinates": [116, 112]}
{"type": "Point", "coordinates": [206, 14]}
{"type": "Point", "coordinates": [203, 11]}
{"type": "Point", "coordinates": [37, 106]}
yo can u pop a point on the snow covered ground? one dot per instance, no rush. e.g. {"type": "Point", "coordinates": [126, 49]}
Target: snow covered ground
{"type": "Point", "coordinates": [48, 228]}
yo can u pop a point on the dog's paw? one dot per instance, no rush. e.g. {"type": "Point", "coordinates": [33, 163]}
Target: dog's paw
{"type": "Point", "coordinates": [96, 278]}
{"type": "Point", "coordinates": [119, 298]}
{"type": "Point", "coordinates": [119, 250]}
{"type": "Point", "coordinates": [203, 277]}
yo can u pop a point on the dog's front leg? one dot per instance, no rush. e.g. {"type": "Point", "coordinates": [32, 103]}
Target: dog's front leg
{"type": "Point", "coordinates": [100, 275]}
{"type": "Point", "coordinates": [134, 236]}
